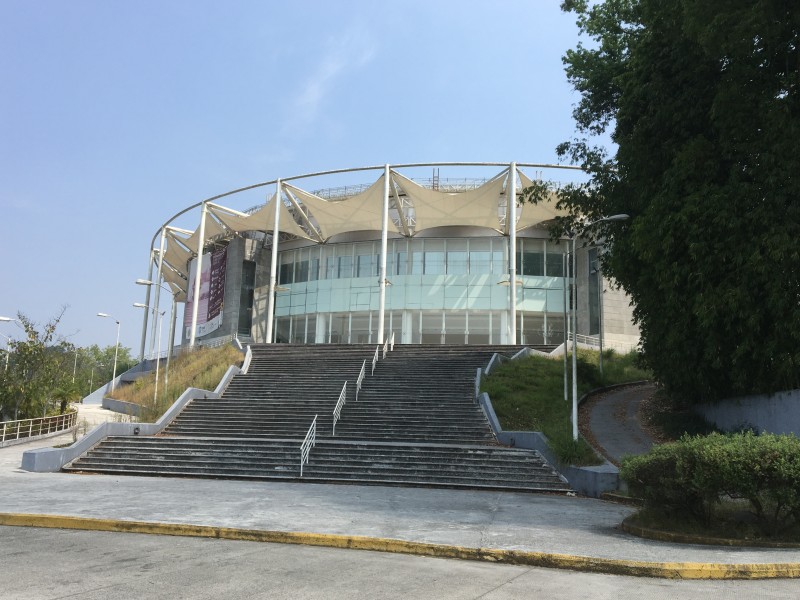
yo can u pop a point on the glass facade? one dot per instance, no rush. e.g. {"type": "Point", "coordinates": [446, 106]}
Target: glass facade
{"type": "Point", "coordinates": [442, 291]}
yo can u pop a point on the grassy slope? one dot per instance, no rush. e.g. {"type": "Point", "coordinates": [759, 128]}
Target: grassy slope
{"type": "Point", "coordinates": [528, 395]}
{"type": "Point", "coordinates": [202, 369]}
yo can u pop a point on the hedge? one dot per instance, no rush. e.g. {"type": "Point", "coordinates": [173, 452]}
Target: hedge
{"type": "Point", "coordinates": [694, 475]}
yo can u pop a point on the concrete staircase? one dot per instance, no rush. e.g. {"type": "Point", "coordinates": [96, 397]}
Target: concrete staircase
{"type": "Point", "coordinates": [415, 423]}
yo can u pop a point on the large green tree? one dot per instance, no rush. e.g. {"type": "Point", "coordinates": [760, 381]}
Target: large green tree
{"type": "Point", "coordinates": [45, 372]}
{"type": "Point", "coordinates": [701, 101]}
{"type": "Point", "coordinates": [38, 365]}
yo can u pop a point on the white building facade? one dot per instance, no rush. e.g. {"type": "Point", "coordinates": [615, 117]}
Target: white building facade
{"type": "Point", "coordinates": [430, 261]}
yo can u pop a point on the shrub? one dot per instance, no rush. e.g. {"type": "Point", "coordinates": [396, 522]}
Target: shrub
{"type": "Point", "coordinates": [693, 476]}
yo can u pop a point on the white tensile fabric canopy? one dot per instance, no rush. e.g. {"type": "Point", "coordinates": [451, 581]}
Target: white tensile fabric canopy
{"type": "Point", "coordinates": [176, 252]}
{"type": "Point", "coordinates": [262, 219]}
{"type": "Point", "coordinates": [176, 282]}
{"type": "Point", "coordinates": [535, 214]}
{"type": "Point", "coordinates": [213, 229]}
{"type": "Point", "coordinates": [432, 208]}
{"type": "Point", "coordinates": [363, 211]}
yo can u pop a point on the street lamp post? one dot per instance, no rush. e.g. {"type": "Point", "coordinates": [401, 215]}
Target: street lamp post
{"type": "Point", "coordinates": [574, 235]}
{"type": "Point", "coordinates": [171, 345]}
{"type": "Point", "coordinates": [91, 377]}
{"type": "Point", "coordinates": [116, 351]}
{"type": "Point", "coordinates": [158, 351]}
{"type": "Point", "coordinates": [8, 349]}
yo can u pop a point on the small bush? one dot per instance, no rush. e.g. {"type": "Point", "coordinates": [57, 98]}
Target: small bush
{"type": "Point", "coordinates": [694, 476]}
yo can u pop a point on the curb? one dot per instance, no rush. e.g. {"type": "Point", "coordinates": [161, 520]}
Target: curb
{"type": "Point", "coordinates": [687, 538]}
{"type": "Point", "coordinates": [665, 570]}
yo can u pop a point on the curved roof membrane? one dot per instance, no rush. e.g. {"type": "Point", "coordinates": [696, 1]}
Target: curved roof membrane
{"type": "Point", "coordinates": [414, 207]}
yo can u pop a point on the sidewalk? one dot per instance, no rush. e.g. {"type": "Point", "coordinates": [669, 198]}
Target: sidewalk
{"type": "Point", "coordinates": [542, 529]}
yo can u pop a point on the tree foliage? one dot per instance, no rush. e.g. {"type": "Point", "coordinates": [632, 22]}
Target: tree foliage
{"type": "Point", "coordinates": [702, 103]}
{"type": "Point", "coordinates": [36, 368]}
{"type": "Point", "coordinates": [45, 372]}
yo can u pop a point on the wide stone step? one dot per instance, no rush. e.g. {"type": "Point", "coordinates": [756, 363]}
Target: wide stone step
{"type": "Point", "coordinates": [415, 423]}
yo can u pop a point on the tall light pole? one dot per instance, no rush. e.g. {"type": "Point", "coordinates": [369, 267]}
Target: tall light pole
{"type": "Point", "coordinates": [158, 351]}
{"type": "Point", "coordinates": [91, 377]}
{"type": "Point", "coordinates": [116, 350]}
{"type": "Point", "coordinates": [8, 339]}
{"type": "Point", "coordinates": [171, 345]}
{"type": "Point", "coordinates": [620, 217]}
{"type": "Point", "coordinates": [8, 349]}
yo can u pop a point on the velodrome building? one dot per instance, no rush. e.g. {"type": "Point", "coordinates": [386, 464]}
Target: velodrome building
{"type": "Point", "coordinates": [432, 260]}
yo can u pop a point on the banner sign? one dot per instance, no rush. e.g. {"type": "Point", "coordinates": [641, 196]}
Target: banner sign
{"type": "Point", "coordinates": [212, 293]}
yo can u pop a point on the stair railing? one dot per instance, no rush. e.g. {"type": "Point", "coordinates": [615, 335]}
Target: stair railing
{"type": "Point", "coordinates": [308, 443]}
{"type": "Point", "coordinates": [388, 345]}
{"type": "Point", "coordinates": [339, 405]}
{"type": "Point", "coordinates": [360, 379]}
{"type": "Point", "coordinates": [375, 359]}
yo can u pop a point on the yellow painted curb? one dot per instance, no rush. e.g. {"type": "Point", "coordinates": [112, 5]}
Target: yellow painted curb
{"type": "Point", "coordinates": [516, 557]}
{"type": "Point", "coordinates": [628, 526]}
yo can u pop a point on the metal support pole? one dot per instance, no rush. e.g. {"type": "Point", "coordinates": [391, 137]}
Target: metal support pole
{"type": "Point", "coordinates": [600, 308]}
{"type": "Point", "coordinates": [198, 275]}
{"type": "Point", "coordinates": [158, 355]}
{"type": "Point", "coordinates": [574, 342]}
{"type": "Point", "coordinates": [565, 272]}
{"type": "Point", "coordinates": [273, 268]}
{"type": "Point", "coordinates": [512, 252]}
{"type": "Point", "coordinates": [384, 246]}
{"type": "Point", "coordinates": [171, 346]}
{"type": "Point", "coordinates": [158, 287]}
{"type": "Point", "coordinates": [146, 303]}
{"type": "Point", "coordinates": [116, 351]}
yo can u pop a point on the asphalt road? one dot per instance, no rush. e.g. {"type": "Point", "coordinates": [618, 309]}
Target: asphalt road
{"type": "Point", "coordinates": [615, 425]}
{"type": "Point", "coordinates": [47, 564]}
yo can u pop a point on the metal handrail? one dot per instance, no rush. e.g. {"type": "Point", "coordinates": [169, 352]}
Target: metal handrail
{"type": "Point", "coordinates": [308, 443]}
{"type": "Point", "coordinates": [385, 348]}
{"type": "Point", "coordinates": [361, 377]}
{"type": "Point", "coordinates": [26, 428]}
{"type": "Point", "coordinates": [391, 342]}
{"type": "Point", "coordinates": [375, 359]}
{"type": "Point", "coordinates": [339, 405]}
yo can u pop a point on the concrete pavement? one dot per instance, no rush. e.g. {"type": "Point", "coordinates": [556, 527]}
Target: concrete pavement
{"type": "Point", "coordinates": [535, 529]}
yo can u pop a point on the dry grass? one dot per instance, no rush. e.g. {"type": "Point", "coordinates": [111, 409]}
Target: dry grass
{"type": "Point", "coordinates": [203, 368]}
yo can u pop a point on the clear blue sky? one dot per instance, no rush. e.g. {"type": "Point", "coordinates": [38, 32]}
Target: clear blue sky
{"type": "Point", "coordinates": [115, 115]}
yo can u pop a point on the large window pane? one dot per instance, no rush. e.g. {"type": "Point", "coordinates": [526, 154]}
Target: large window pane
{"type": "Point", "coordinates": [555, 264]}
{"type": "Point", "coordinates": [366, 265]}
{"type": "Point", "coordinates": [457, 257]}
{"type": "Point", "coordinates": [533, 264]}
{"type": "Point", "coordinates": [399, 266]}
{"type": "Point", "coordinates": [434, 257]}
{"type": "Point", "coordinates": [417, 260]}
{"type": "Point", "coordinates": [344, 267]}
{"type": "Point", "coordinates": [499, 262]}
